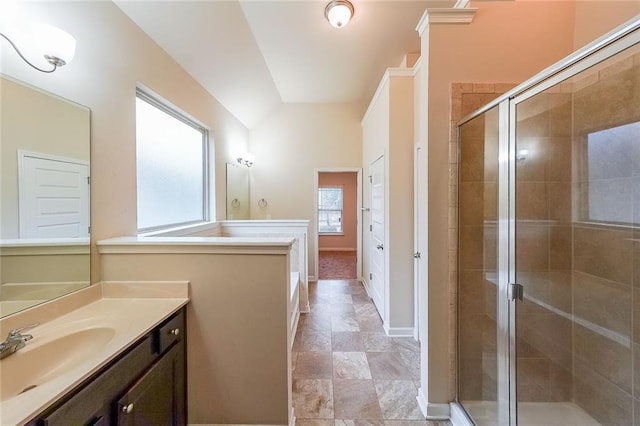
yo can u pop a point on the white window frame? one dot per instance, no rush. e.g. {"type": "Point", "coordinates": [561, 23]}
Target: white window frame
{"type": "Point", "coordinates": [206, 166]}
{"type": "Point", "coordinates": [341, 188]}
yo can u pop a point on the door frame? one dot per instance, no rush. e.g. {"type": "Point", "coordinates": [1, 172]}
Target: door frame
{"type": "Point", "coordinates": [419, 241]}
{"type": "Point", "coordinates": [314, 222]}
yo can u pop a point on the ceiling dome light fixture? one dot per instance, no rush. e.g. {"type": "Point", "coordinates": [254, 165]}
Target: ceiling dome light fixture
{"type": "Point", "coordinates": [338, 13]}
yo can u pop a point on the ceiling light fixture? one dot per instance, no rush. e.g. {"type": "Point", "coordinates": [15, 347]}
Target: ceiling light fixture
{"type": "Point", "coordinates": [58, 47]}
{"type": "Point", "coordinates": [339, 13]}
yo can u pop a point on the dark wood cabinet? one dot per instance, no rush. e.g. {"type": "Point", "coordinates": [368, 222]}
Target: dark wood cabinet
{"type": "Point", "coordinates": [152, 399]}
{"type": "Point", "coordinates": [146, 385]}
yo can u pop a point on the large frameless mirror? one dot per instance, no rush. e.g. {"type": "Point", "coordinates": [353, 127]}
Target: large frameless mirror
{"type": "Point", "coordinates": [237, 192]}
{"type": "Point", "coordinates": [44, 193]}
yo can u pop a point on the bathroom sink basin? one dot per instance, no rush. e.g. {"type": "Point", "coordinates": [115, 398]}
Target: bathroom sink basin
{"type": "Point", "coordinates": [37, 363]}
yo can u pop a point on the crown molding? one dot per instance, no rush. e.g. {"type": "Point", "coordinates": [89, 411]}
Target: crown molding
{"type": "Point", "coordinates": [388, 74]}
{"type": "Point", "coordinates": [449, 15]}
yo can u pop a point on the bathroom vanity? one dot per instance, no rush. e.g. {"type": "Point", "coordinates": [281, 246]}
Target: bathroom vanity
{"type": "Point", "coordinates": [145, 385]}
{"type": "Point", "coordinates": [114, 353]}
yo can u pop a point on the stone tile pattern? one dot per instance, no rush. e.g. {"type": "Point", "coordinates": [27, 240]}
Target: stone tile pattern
{"type": "Point", "coordinates": [579, 326]}
{"type": "Point", "coordinates": [347, 371]}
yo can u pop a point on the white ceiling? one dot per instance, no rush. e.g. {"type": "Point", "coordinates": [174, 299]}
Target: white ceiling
{"type": "Point", "coordinates": [254, 54]}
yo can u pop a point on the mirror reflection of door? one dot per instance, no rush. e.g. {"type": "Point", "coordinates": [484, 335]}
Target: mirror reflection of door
{"type": "Point", "coordinates": [237, 192]}
{"type": "Point", "coordinates": [53, 196]}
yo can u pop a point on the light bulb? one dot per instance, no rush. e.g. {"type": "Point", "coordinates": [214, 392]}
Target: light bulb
{"type": "Point", "coordinates": [339, 13]}
{"type": "Point", "coordinates": [57, 46]}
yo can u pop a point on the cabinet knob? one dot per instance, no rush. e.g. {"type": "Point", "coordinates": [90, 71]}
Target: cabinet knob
{"type": "Point", "coordinates": [127, 409]}
{"type": "Point", "coordinates": [175, 331]}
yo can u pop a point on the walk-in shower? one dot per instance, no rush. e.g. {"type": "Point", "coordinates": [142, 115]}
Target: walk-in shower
{"type": "Point", "coordinates": [549, 210]}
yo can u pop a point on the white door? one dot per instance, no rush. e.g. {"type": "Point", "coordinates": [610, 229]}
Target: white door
{"type": "Point", "coordinates": [53, 196]}
{"type": "Point", "coordinates": [377, 277]}
{"type": "Point", "coordinates": [420, 238]}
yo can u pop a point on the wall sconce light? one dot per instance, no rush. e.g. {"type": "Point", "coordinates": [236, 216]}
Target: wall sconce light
{"type": "Point", "coordinates": [246, 159]}
{"type": "Point", "coordinates": [339, 13]}
{"type": "Point", "coordinates": [58, 47]}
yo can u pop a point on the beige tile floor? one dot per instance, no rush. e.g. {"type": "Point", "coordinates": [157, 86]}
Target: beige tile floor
{"type": "Point", "coordinates": [346, 371]}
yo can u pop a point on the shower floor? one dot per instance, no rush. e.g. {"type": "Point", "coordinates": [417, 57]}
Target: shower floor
{"type": "Point", "coordinates": [533, 414]}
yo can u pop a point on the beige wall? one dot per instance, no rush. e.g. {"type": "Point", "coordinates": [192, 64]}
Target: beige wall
{"type": "Point", "coordinates": [35, 121]}
{"type": "Point", "coordinates": [289, 145]}
{"type": "Point", "coordinates": [595, 18]}
{"type": "Point", "coordinates": [238, 353]}
{"type": "Point", "coordinates": [113, 56]}
{"type": "Point", "coordinates": [349, 183]}
{"type": "Point", "coordinates": [45, 268]}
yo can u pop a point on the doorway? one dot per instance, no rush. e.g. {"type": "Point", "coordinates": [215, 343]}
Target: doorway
{"type": "Point", "coordinates": [338, 229]}
{"type": "Point", "coordinates": [377, 278]}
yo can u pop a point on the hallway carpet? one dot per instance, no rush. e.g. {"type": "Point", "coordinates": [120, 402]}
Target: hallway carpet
{"type": "Point", "coordinates": [337, 264]}
{"type": "Point", "coordinates": [346, 370]}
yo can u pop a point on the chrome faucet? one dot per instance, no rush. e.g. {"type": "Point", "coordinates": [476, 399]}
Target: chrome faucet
{"type": "Point", "coordinates": [15, 340]}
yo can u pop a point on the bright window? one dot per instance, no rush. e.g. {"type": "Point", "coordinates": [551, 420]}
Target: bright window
{"type": "Point", "coordinates": [330, 210]}
{"type": "Point", "coordinates": [172, 167]}
{"type": "Point", "coordinates": [612, 174]}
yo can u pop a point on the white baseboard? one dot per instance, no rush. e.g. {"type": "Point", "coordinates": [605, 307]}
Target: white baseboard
{"type": "Point", "coordinates": [365, 284]}
{"type": "Point", "coordinates": [336, 249]}
{"type": "Point", "coordinates": [433, 411]}
{"type": "Point", "coordinates": [292, 417]}
{"type": "Point", "coordinates": [422, 401]}
{"type": "Point", "coordinates": [305, 309]}
{"type": "Point", "coordinates": [398, 331]}
{"type": "Point", "coordinates": [311, 278]}
{"type": "Point", "coordinates": [458, 416]}
{"type": "Point", "coordinates": [294, 326]}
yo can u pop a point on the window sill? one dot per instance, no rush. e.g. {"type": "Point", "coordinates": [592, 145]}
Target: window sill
{"type": "Point", "coordinates": [177, 231]}
{"type": "Point", "coordinates": [331, 233]}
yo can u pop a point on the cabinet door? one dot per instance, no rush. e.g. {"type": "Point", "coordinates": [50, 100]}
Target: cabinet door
{"type": "Point", "coordinates": [152, 400]}
{"type": "Point", "coordinates": [92, 404]}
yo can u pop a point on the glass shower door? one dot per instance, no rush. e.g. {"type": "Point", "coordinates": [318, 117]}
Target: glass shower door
{"type": "Point", "coordinates": [577, 216]}
{"type": "Point", "coordinates": [477, 272]}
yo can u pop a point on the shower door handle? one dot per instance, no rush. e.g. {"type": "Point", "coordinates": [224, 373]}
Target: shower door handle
{"type": "Point", "coordinates": [516, 291]}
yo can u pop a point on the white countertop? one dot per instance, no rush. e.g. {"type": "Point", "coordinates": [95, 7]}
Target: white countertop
{"type": "Point", "coordinates": [131, 310]}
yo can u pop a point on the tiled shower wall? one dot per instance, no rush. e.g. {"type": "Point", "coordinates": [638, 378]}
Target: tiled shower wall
{"type": "Point", "coordinates": [543, 240]}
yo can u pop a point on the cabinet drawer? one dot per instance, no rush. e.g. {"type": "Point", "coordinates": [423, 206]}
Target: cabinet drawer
{"type": "Point", "coordinates": [170, 332]}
